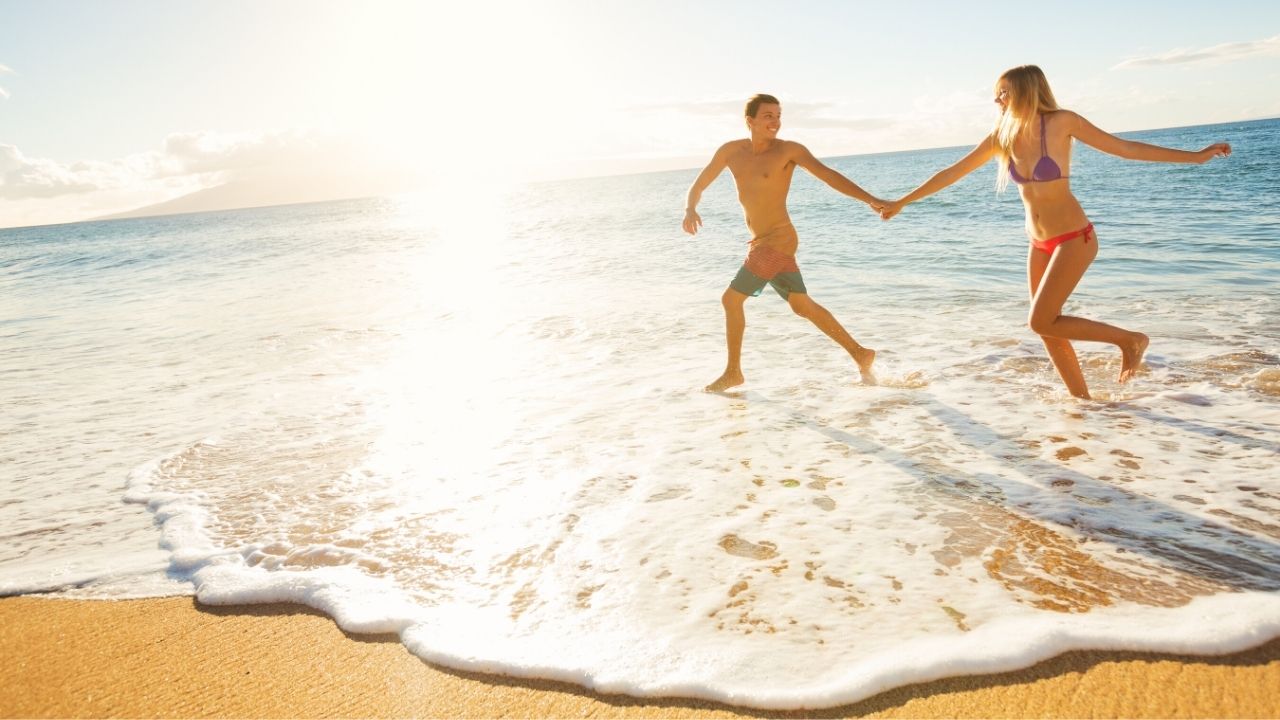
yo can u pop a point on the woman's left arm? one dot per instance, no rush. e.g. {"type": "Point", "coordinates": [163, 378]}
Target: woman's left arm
{"type": "Point", "coordinates": [1089, 134]}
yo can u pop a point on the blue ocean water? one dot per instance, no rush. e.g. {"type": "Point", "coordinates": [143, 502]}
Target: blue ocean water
{"type": "Point", "coordinates": [475, 419]}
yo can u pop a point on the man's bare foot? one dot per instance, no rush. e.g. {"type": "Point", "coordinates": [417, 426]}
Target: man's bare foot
{"type": "Point", "coordinates": [730, 378]}
{"type": "Point", "coordinates": [1132, 356]}
{"type": "Point", "coordinates": [864, 360]}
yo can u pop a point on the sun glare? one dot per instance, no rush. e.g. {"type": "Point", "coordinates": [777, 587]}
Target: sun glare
{"type": "Point", "coordinates": [447, 87]}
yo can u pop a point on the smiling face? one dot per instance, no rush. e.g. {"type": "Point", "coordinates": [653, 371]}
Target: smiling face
{"type": "Point", "coordinates": [1002, 94]}
{"type": "Point", "coordinates": [1023, 92]}
{"type": "Point", "coordinates": [767, 122]}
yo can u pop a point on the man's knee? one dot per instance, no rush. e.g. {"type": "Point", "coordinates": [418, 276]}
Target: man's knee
{"type": "Point", "coordinates": [732, 299]}
{"type": "Point", "coordinates": [802, 305]}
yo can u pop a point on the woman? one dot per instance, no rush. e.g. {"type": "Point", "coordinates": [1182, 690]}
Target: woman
{"type": "Point", "coordinates": [1032, 142]}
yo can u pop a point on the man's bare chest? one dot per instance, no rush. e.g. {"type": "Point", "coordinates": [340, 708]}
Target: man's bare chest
{"type": "Point", "coordinates": [761, 170]}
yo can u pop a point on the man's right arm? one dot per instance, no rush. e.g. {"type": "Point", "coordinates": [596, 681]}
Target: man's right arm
{"type": "Point", "coordinates": [718, 163]}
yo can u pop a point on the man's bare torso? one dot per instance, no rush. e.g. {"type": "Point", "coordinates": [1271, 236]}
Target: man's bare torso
{"type": "Point", "coordinates": [763, 181]}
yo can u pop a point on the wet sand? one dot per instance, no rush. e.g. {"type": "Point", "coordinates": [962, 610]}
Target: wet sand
{"type": "Point", "coordinates": [172, 657]}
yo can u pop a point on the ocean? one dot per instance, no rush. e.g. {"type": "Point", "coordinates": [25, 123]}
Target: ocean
{"type": "Point", "coordinates": [475, 418]}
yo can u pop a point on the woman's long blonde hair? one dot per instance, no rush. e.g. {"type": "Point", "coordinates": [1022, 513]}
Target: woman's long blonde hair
{"type": "Point", "coordinates": [1029, 96]}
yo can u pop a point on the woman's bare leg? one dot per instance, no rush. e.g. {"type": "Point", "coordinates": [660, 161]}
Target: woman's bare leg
{"type": "Point", "coordinates": [1058, 281]}
{"type": "Point", "coordinates": [1060, 350]}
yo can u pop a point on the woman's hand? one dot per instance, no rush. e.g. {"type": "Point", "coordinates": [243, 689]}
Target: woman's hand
{"type": "Point", "coordinates": [1213, 151]}
{"type": "Point", "coordinates": [891, 209]}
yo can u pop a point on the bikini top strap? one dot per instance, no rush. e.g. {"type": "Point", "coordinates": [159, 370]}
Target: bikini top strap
{"type": "Point", "coordinates": [1044, 148]}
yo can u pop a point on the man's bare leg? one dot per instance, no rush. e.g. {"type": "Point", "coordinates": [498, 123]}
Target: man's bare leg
{"type": "Point", "coordinates": [735, 326]}
{"type": "Point", "coordinates": [805, 307]}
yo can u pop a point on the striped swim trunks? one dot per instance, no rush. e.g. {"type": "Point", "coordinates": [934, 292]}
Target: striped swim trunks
{"type": "Point", "coordinates": [766, 266]}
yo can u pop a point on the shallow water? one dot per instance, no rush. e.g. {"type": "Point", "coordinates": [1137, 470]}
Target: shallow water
{"type": "Point", "coordinates": [478, 421]}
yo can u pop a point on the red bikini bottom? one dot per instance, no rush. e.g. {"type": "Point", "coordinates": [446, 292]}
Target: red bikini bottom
{"type": "Point", "coordinates": [1047, 246]}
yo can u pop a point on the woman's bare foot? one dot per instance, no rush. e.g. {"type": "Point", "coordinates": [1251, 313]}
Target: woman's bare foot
{"type": "Point", "coordinates": [864, 360]}
{"type": "Point", "coordinates": [1132, 356]}
{"type": "Point", "coordinates": [730, 378]}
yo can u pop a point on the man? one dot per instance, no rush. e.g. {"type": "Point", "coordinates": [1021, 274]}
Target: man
{"type": "Point", "coordinates": [762, 167]}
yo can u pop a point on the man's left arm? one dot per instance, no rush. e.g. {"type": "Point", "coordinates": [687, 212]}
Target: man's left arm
{"type": "Point", "coordinates": [838, 182]}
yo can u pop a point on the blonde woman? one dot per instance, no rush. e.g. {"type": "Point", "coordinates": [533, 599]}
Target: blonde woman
{"type": "Point", "coordinates": [1032, 143]}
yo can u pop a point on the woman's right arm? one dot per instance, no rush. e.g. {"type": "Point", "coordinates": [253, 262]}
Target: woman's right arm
{"type": "Point", "coordinates": [1098, 139]}
{"type": "Point", "coordinates": [976, 158]}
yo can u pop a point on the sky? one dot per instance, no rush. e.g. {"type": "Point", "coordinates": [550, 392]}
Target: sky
{"type": "Point", "coordinates": [106, 107]}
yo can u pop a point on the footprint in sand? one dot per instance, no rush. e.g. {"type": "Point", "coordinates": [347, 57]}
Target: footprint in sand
{"type": "Point", "coordinates": [1067, 453]}
{"type": "Point", "coordinates": [735, 545]}
{"type": "Point", "coordinates": [1125, 460]}
{"type": "Point", "coordinates": [669, 494]}
{"type": "Point", "coordinates": [825, 503]}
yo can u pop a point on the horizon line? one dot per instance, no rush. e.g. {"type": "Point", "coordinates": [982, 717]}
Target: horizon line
{"type": "Point", "coordinates": [109, 217]}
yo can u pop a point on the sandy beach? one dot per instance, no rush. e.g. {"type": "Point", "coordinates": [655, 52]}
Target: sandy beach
{"type": "Point", "coordinates": [172, 657]}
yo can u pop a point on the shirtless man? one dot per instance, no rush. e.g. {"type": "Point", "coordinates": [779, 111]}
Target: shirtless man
{"type": "Point", "coordinates": [762, 167]}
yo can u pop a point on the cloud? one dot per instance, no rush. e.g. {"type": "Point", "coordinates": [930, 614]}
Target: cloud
{"type": "Point", "coordinates": [204, 158]}
{"type": "Point", "coordinates": [22, 177]}
{"type": "Point", "coordinates": [262, 168]}
{"type": "Point", "coordinates": [1218, 54]}
{"type": "Point", "coordinates": [5, 70]}
{"type": "Point", "coordinates": [725, 108]}
{"type": "Point", "coordinates": [812, 115]}
{"type": "Point", "coordinates": [829, 126]}
{"type": "Point", "coordinates": [203, 152]}
{"type": "Point", "coordinates": [840, 123]}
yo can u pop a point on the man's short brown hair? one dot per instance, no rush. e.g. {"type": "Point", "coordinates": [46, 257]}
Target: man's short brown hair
{"type": "Point", "coordinates": [753, 105]}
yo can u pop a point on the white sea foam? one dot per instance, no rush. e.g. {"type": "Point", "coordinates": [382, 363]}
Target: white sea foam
{"type": "Point", "coordinates": [491, 439]}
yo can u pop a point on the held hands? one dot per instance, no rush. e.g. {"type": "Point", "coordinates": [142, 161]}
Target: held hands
{"type": "Point", "coordinates": [692, 221]}
{"type": "Point", "coordinates": [1213, 151]}
{"type": "Point", "coordinates": [891, 209]}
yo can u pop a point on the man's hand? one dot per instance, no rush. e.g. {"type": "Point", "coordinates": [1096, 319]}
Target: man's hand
{"type": "Point", "coordinates": [1213, 151]}
{"type": "Point", "coordinates": [692, 221]}
{"type": "Point", "coordinates": [877, 204]}
{"type": "Point", "coordinates": [891, 209]}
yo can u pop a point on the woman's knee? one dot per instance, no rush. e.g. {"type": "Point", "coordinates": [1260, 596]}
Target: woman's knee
{"type": "Point", "coordinates": [1040, 323]}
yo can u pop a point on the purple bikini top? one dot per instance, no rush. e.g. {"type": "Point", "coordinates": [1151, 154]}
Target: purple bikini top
{"type": "Point", "coordinates": [1044, 171]}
